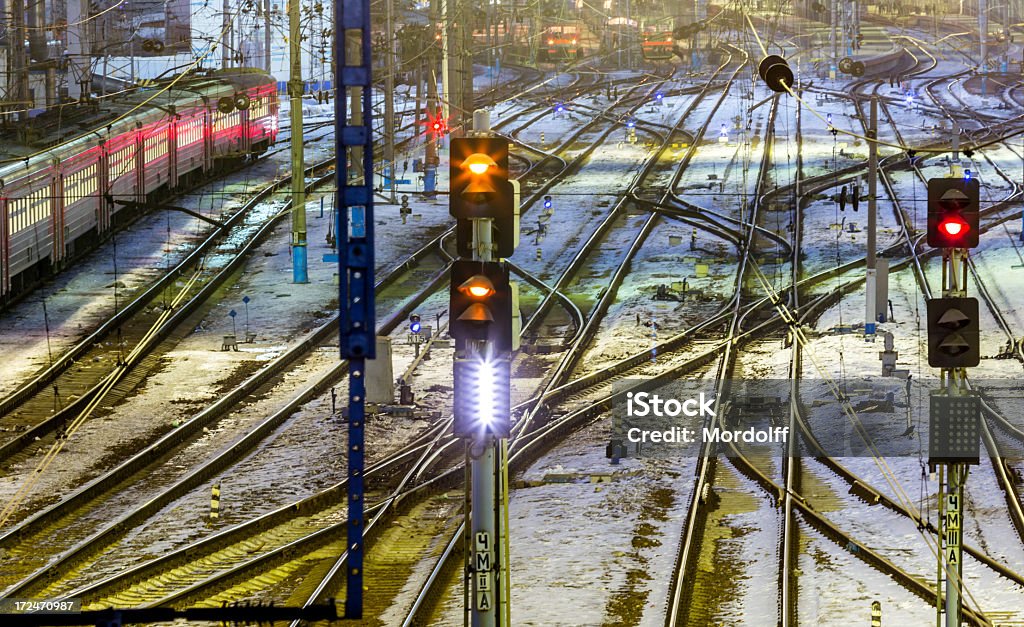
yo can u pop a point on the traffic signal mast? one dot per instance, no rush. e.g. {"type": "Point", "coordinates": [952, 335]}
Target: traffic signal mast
{"type": "Point", "coordinates": [953, 346]}
{"type": "Point", "coordinates": [484, 203]}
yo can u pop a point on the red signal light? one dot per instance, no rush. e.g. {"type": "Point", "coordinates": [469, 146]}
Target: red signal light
{"type": "Point", "coordinates": [954, 226]}
{"type": "Point", "coordinates": [953, 214]}
{"type": "Point", "coordinates": [436, 126]}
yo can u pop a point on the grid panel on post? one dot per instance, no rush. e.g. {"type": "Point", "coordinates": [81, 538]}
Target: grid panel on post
{"type": "Point", "coordinates": [954, 430]}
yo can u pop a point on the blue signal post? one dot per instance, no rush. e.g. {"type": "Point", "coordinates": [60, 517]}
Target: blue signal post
{"type": "Point", "coordinates": [357, 332]}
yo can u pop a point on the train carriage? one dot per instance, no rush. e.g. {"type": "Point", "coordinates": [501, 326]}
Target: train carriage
{"type": "Point", "coordinates": [57, 201]}
{"type": "Point", "coordinates": [658, 46]}
{"type": "Point", "coordinates": [121, 154]}
{"type": "Point", "coordinates": [190, 143]}
{"type": "Point", "coordinates": [29, 201]}
{"type": "Point", "coordinates": [560, 43]}
{"type": "Point", "coordinates": [156, 157]}
{"type": "Point", "coordinates": [77, 191]}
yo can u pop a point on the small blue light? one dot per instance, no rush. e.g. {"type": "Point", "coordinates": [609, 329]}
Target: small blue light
{"type": "Point", "coordinates": [630, 123]}
{"type": "Point", "coordinates": [829, 118]}
{"type": "Point", "coordinates": [967, 174]}
{"type": "Point", "coordinates": [415, 327]}
{"type": "Point", "coordinates": [659, 95]}
{"type": "Point", "coordinates": [724, 132]}
{"type": "Point", "coordinates": [547, 204]}
{"type": "Point", "coordinates": [559, 108]}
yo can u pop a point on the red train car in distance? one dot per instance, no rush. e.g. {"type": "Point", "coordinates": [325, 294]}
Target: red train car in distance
{"type": "Point", "coordinates": [560, 43]}
{"type": "Point", "coordinates": [658, 46]}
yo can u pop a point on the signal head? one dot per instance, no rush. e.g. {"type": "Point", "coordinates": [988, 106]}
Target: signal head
{"type": "Point", "coordinates": [953, 213]}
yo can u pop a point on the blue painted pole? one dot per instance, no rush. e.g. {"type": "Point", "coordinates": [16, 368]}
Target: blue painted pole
{"type": "Point", "coordinates": [300, 272]}
{"type": "Point", "coordinates": [430, 179]}
{"type": "Point", "coordinates": [354, 228]}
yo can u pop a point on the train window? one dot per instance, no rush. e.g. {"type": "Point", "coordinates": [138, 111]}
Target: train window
{"type": "Point", "coordinates": [122, 162]}
{"type": "Point", "coordinates": [156, 146]}
{"type": "Point", "coordinates": [190, 133]}
{"type": "Point", "coordinates": [28, 210]}
{"type": "Point", "coordinates": [79, 185]}
{"type": "Point", "coordinates": [259, 108]}
{"type": "Point", "coordinates": [223, 121]}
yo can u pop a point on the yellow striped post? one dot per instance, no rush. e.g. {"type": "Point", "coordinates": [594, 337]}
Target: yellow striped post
{"type": "Point", "coordinates": [215, 502]}
{"type": "Point", "coordinates": [876, 614]}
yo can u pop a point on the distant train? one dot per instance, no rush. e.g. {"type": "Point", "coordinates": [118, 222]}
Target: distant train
{"type": "Point", "coordinates": [658, 45]}
{"type": "Point", "coordinates": [559, 43]}
{"type": "Point", "coordinates": [62, 200]}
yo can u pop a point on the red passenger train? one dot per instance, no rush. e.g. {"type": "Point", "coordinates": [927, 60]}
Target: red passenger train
{"type": "Point", "coordinates": [64, 198]}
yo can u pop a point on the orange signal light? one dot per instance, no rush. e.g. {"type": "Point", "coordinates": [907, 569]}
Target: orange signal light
{"type": "Point", "coordinates": [477, 286]}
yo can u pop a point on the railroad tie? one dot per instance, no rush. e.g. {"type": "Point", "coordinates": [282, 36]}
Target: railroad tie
{"type": "Point", "coordinates": [215, 502]}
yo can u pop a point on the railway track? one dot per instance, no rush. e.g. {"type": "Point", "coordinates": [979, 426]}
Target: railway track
{"type": "Point", "coordinates": [84, 515]}
{"type": "Point", "coordinates": [166, 497]}
{"type": "Point", "coordinates": [99, 369]}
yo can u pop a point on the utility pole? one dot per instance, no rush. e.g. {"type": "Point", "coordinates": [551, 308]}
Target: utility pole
{"type": "Point", "coordinates": [445, 53]}
{"type": "Point", "coordinates": [481, 452]}
{"type": "Point", "coordinates": [953, 346]}
{"type": "Point", "coordinates": [295, 88]}
{"type": "Point", "coordinates": [458, 84]}
{"type": "Point", "coordinates": [983, 44]}
{"type": "Point", "coordinates": [834, 34]}
{"type": "Point", "coordinates": [19, 62]}
{"type": "Point", "coordinates": [870, 306]}
{"type": "Point", "coordinates": [629, 44]}
{"type": "Point", "coordinates": [430, 158]}
{"type": "Point", "coordinates": [466, 103]}
{"type": "Point", "coordinates": [225, 36]}
{"type": "Point", "coordinates": [1005, 66]}
{"type": "Point", "coordinates": [481, 321]}
{"type": "Point", "coordinates": [266, 36]}
{"type": "Point", "coordinates": [389, 101]}
{"type": "Point", "coordinates": [417, 74]}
